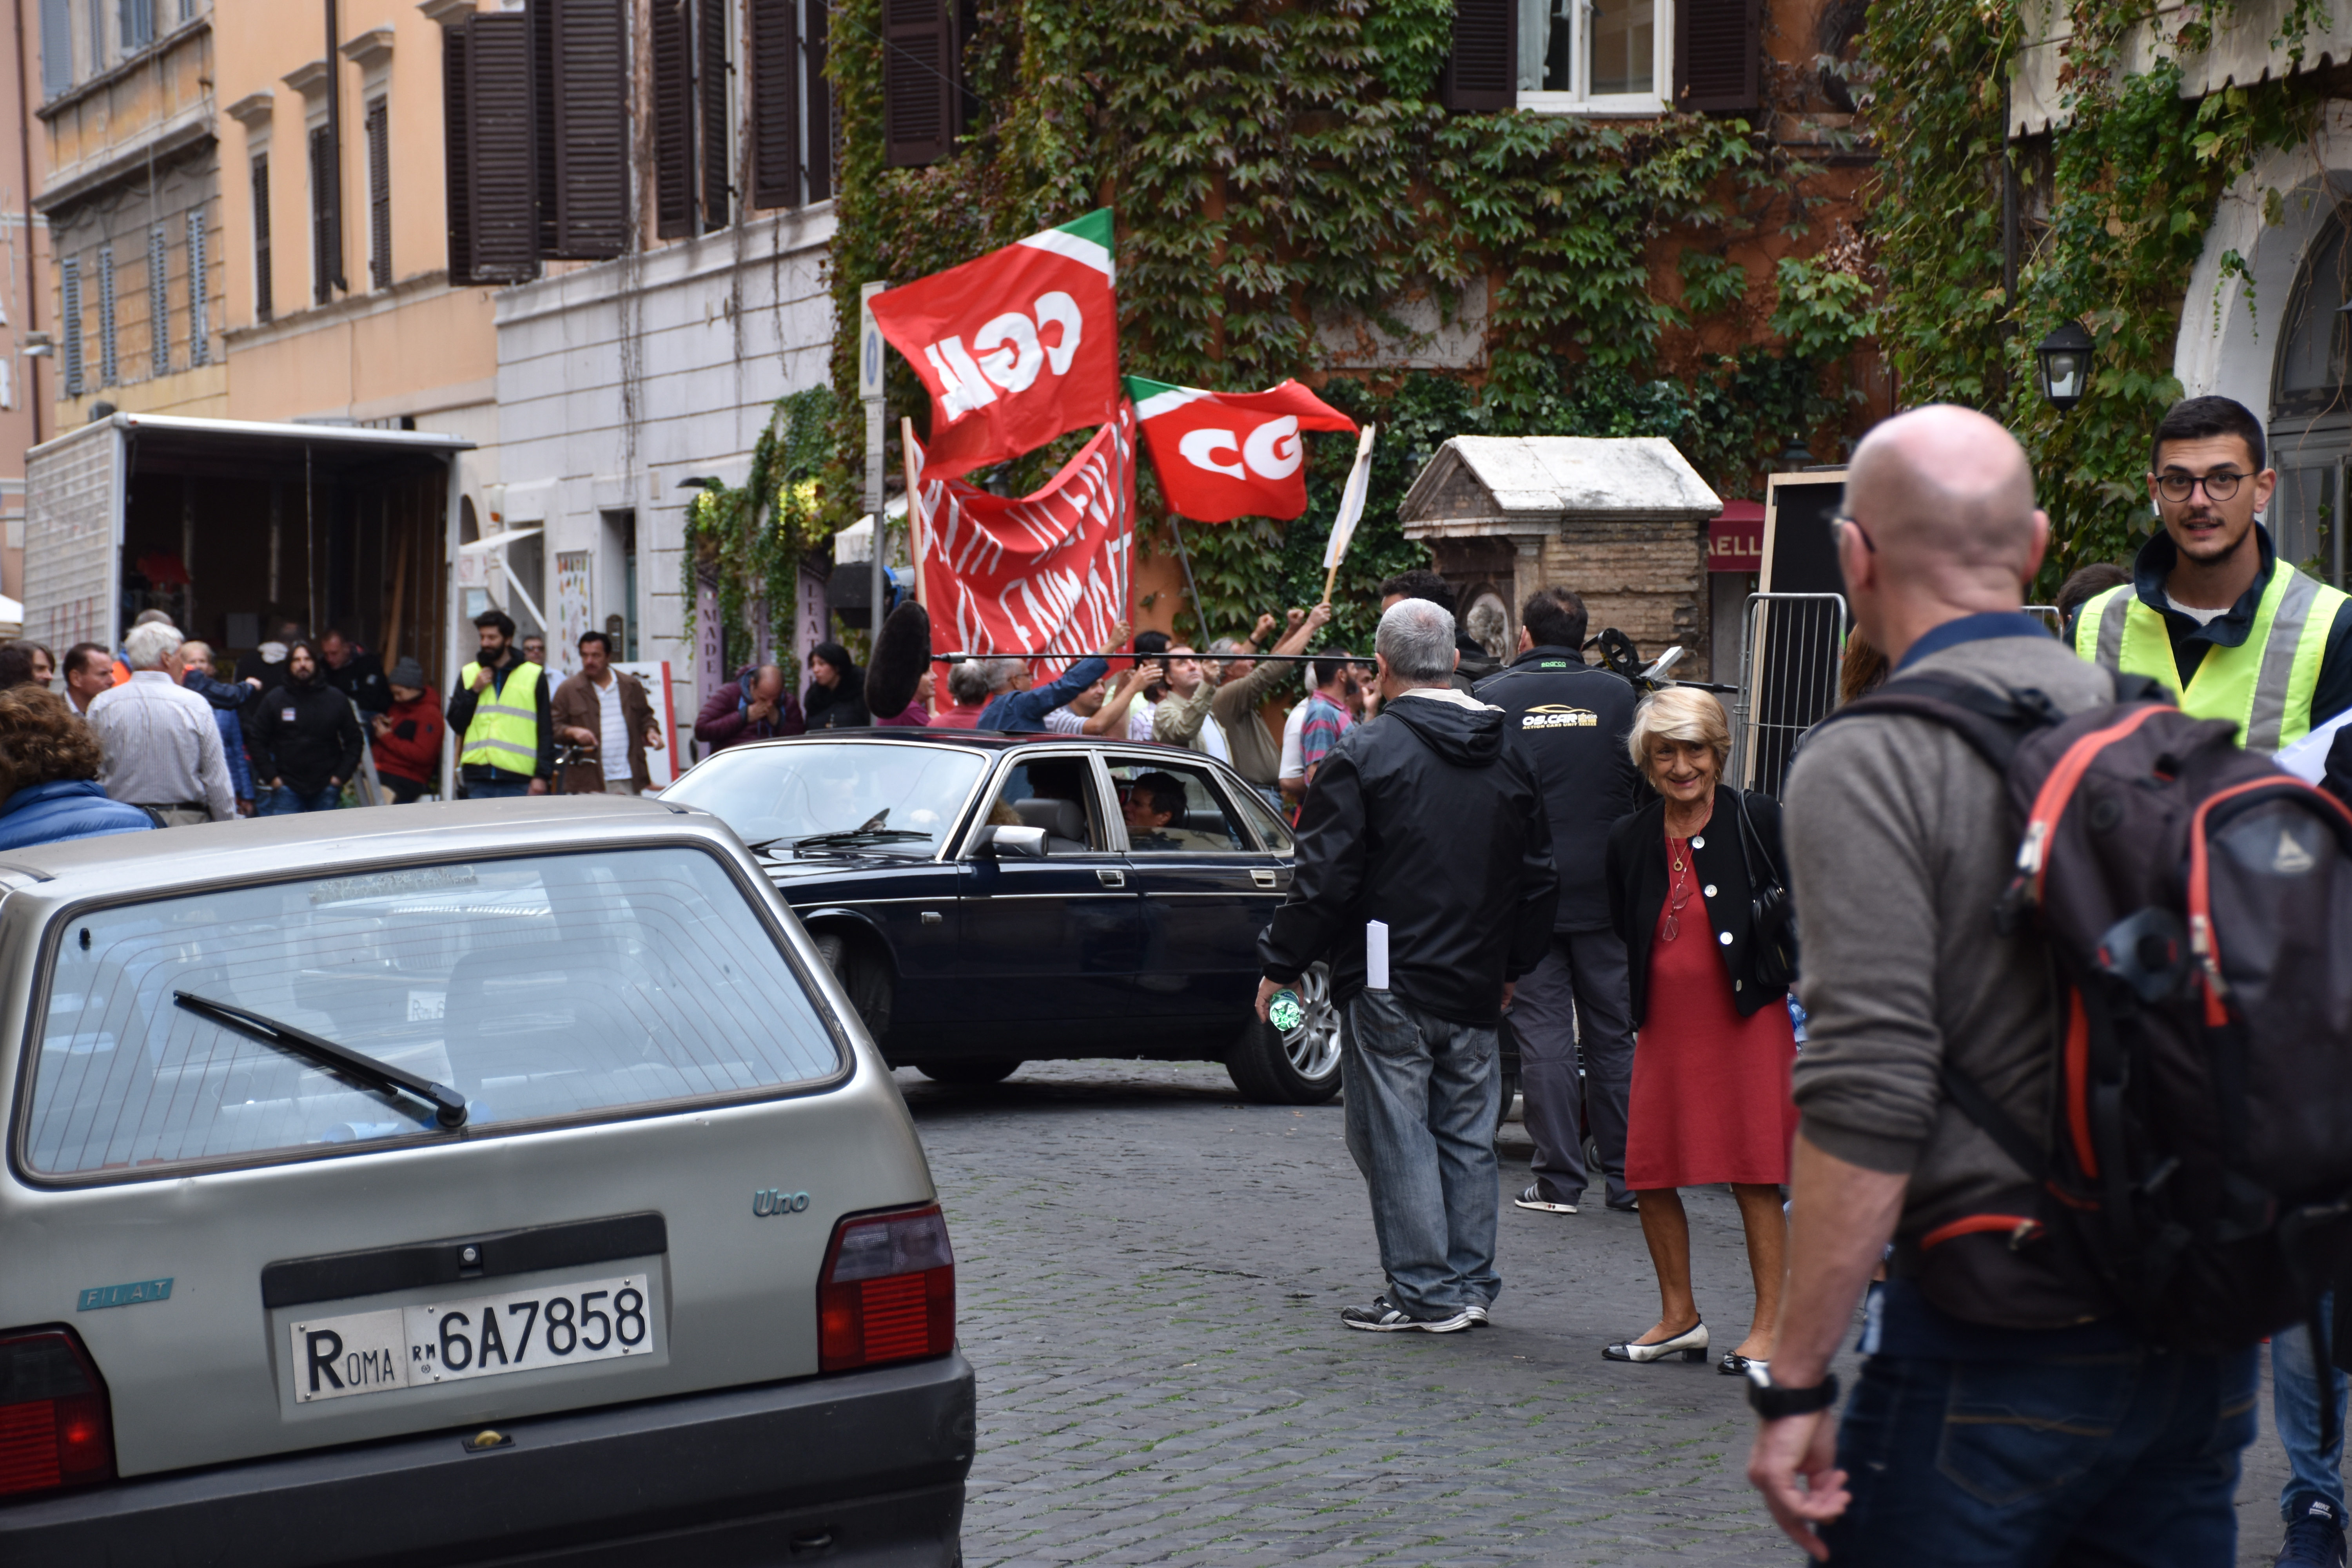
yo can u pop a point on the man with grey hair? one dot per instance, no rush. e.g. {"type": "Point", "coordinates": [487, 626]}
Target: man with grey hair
{"type": "Point", "coordinates": [2028, 1421]}
{"type": "Point", "coordinates": [1425, 876]}
{"type": "Point", "coordinates": [160, 747]}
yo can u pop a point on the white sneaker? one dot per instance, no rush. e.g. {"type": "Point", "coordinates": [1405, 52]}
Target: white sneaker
{"type": "Point", "coordinates": [1385, 1317]}
{"type": "Point", "coordinates": [1533, 1198]}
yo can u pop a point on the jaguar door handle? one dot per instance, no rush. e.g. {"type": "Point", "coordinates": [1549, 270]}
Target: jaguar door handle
{"type": "Point", "coordinates": [1266, 879]}
{"type": "Point", "coordinates": [1112, 878]}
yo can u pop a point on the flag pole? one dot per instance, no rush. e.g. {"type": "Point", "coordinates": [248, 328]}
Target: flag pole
{"type": "Point", "coordinates": [1184, 559]}
{"type": "Point", "coordinates": [913, 464]}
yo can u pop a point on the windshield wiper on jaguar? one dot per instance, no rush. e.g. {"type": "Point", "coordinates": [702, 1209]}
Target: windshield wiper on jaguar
{"type": "Point", "coordinates": [849, 837]}
{"type": "Point", "coordinates": [449, 1105]}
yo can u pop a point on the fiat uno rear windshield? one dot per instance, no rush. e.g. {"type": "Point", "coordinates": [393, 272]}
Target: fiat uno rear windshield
{"type": "Point", "coordinates": [548, 987]}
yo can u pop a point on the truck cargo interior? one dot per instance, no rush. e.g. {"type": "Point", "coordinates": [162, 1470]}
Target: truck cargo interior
{"type": "Point", "coordinates": [234, 528]}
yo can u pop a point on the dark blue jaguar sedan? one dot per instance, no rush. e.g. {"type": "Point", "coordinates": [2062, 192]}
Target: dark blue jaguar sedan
{"type": "Point", "coordinates": [988, 900]}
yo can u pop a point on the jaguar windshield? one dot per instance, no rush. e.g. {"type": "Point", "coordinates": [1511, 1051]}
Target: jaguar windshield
{"type": "Point", "coordinates": [845, 797]}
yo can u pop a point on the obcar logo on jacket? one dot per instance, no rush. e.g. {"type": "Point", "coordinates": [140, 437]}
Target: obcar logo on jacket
{"type": "Point", "coordinates": [1559, 716]}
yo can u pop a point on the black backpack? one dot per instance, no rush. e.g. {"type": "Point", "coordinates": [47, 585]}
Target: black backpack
{"type": "Point", "coordinates": [2195, 903]}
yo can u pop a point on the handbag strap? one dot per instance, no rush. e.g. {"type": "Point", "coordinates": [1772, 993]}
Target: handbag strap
{"type": "Point", "coordinates": [1746, 831]}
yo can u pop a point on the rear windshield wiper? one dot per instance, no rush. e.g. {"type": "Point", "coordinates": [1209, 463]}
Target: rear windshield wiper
{"type": "Point", "coordinates": [449, 1105]}
{"type": "Point", "coordinates": [848, 838]}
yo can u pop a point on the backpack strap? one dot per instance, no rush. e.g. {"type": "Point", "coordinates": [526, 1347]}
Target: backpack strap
{"type": "Point", "coordinates": [1979, 1108]}
{"type": "Point", "coordinates": [1991, 722]}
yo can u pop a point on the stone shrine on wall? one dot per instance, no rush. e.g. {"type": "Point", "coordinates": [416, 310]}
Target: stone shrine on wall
{"type": "Point", "coordinates": [1621, 522]}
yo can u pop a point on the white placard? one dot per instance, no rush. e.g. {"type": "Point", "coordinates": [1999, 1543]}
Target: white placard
{"type": "Point", "coordinates": [1376, 955]}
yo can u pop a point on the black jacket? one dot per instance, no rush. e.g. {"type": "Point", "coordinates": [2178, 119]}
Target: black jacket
{"type": "Point", "coordinates": [1422, 819]}
{"type": "Point", "coordinates": [1569, 722]}
{"type": "Point", "coordinates": [319, 742]}
{"type": "Point", "coordinates": [1637, 890]}
{"type": "Point", "coordinates": [361, 680]}
{"type": "Point", "coordinates": [841, 707]}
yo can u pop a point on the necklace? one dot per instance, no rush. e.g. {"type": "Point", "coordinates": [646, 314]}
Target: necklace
{"type": "Point", "coordinates": [1679, 894]}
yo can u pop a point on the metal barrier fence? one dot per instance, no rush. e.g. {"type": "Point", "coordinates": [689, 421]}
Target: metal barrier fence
{"type": "Point", "coordinates": [1789, 649]}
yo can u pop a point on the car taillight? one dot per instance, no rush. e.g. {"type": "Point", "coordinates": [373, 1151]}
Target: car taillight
{"type": "Point", "coordinates": [54, 1427]}
{"type": "Point", "coordinates": [888, 1291]}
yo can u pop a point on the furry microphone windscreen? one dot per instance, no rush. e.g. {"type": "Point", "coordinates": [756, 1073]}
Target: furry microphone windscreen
{"type": "Point", "coordinates": [901, 654]}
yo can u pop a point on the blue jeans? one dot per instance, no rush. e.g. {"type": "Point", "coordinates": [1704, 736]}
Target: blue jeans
{"type": "Point", "coordinates": [1421, 1101]}
{"type": "Point", "coordinates": [2294, 1406]}
{"type": "Point", "coordinates": [501, 789]}
{"type": "Point", "coordinates": [285, 801]}
{"type": "Point", "coordinates": [2128, 1457]}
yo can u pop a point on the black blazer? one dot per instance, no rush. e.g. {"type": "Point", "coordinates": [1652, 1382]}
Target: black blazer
{"type": "Point", "coordinates": [1637, 889]}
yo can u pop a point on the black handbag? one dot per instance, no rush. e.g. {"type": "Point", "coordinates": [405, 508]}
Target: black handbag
{"type": "Point", "coordinates": [1771, 918]}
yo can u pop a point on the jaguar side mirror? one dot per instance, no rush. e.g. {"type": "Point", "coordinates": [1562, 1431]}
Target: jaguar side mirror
{"type": "Point", "coordinates": [1006, 843]}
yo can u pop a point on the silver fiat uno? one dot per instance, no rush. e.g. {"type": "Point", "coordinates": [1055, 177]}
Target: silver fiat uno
{"type": "Point", "coordinates": [451, 1184]}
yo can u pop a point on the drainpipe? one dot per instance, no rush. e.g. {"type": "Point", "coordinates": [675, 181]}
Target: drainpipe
{"type": "Point", "coordinates": [334, 170]}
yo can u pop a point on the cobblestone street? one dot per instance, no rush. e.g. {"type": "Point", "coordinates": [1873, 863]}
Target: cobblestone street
{"type": "Point", "coordinates": [1151, 1277]}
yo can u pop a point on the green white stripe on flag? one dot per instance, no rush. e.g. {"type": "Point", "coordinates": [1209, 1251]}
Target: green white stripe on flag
{"type": "Point", "coordinates": [1085, 240]}
{"type": "Point", "coordinates": [1153, 398]}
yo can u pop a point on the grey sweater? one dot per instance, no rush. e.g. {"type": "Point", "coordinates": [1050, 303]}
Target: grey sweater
{"type": "Point", "coordinates": [1899, 840]}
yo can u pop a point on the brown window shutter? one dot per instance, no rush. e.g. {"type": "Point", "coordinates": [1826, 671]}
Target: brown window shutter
{"type": "Point", "coordinates": [1718, 45]}
{"type": "Point", "coordinates": [379, 150]}
{"type": "Point", "coordinates": [824, 143]}
{"type": "Point", "coordinates": [673, 121]}
{"type": "Point", "coordinates": [261, 295]}
{"type": "Point", "coordinates": [499, 109]}
{"type": "Point", "coordinates": [458, 175]}
{"type": "Point", "coordinates": [1482, 72]}
{"type": "Point", "coordinates": [546, 17]}
{"type": "Point", "coordinates": [710, 83]}
{"type": "Point", "coordinates": [775, 103]}
{"type": "Point", "coordinates": [918, 72]}
{"type": "Point", "coordinates": [590, 128]}
{"type": "Point", "coordinates": [323, 215]}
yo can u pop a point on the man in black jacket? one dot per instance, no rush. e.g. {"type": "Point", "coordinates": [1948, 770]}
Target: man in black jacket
{"type": "Point", "coordinates": [1424, 876]}
{"type": "Point", "coordinates": [1569, 722]}
{"type": "Point", "coordinates": [305, 741]}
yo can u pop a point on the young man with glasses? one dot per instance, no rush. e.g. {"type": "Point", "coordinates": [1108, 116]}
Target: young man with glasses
{"type": "Point", "coordinates": [2238, 634]}
{"type": "Point", "coordinates": [2212, 611]}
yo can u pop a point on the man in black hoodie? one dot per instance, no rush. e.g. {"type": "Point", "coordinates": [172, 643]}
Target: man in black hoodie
{"type": "Point", "coordinates": [305, 741]}
{"type": "Point", "coordinates": [1569, 721]}
{"type": "Point", "coordinates": [1424, 876]}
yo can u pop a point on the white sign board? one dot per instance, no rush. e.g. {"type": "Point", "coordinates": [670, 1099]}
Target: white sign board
{"type": "Point", "coordinates": [871, 354]}
{"type": "Point", "coordinates": [572, 596]}
{"type": "Point", "coordinates": [653, 674]}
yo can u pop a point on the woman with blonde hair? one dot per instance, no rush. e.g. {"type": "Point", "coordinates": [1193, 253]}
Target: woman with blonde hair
{"type": "Point", "coordinates": [1713, 1043]}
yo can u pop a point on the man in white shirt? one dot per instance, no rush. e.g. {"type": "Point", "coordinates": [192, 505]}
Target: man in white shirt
{"type": "Point", "coordinates": [1097, 711]}
{"type": "Point", "coordinates": [161, 748]}
{"type": "Point", "coordinates": [88, 670]}
{"type": "Point", "coordinates": [605, 713]}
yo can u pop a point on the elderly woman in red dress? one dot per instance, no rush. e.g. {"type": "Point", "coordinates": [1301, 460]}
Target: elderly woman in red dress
{"type": "Point", "coordinates": [1712, 1047]}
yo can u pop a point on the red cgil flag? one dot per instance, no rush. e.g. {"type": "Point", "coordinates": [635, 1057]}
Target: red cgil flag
{"type": "Point", "coordinates": [1016, 347]}
{"type": "Point", "coordinates": [1223, 455]}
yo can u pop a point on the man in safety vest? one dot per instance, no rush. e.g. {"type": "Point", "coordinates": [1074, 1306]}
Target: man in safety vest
{"type": "Point", "coordinates": [500, 708]}
{"type": "Point", "coordinates": [2212, 611]}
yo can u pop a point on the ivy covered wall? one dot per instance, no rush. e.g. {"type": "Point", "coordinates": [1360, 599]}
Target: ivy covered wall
{"type": "Point", "coordinates": [1270, 164]}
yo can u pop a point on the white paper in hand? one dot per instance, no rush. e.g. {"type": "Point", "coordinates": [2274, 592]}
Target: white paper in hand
{"type": "Point", "coordinates": [2307, 758]}
{"type": "Point", "coordinates": [1376, 955]}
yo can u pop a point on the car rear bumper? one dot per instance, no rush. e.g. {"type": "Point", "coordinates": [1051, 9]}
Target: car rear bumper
{"type": "Point", "coordinates": [865, 1467]}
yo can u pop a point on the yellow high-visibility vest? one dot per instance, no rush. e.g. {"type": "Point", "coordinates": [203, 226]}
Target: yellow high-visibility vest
{"type": "Point", "coordinates": [504, 729]}
{"type": "Point", "coordinates": [2263, 686]}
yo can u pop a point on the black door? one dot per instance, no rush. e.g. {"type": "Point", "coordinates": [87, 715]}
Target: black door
{"type": "Point", "coordinates": [1047, 949]}
{"type": "Point", "coordinates": [1207, 888]}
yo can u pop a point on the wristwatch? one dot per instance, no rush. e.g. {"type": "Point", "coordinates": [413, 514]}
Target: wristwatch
{"type": "Point", "coordinates": [1774, 1403]}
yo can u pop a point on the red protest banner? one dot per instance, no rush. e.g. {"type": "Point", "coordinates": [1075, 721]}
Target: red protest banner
{"type": "Point", "coordinates": [1223, 455]}
{"type": "Point", "coordinates": [1047, 571]}
{"type": "Point", "coordinates": [1016, 347]}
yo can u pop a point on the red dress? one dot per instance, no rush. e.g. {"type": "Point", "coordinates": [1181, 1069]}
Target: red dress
{"type": "Point", "coordinates": [1710, 1101]}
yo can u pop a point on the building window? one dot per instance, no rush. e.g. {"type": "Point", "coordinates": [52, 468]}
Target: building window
{"type": "Point", "coordinates": [200, 319]}
{"type": "Point", "coordinates": [379, 154]}
{"type": "Point", "coordinates": [261, 295]}
{"type": "Point", "coordinates": [69, 324]}
{"type": "Point", "coordinates": [110, 367]}
{"type": "Point", "coordinates": [1594, 56]}
{"type": "Point", "coordinates": [324, 251]}
{"type": "Point", "coordinates": [158, 301]}
{"type": "Point", "coordinates": [2311, 389]}
{"type": "Point", "coordinates": [791, 109]}
{"type": "Point", "coordinates": [137, 19]}
{"type": "Point", "coordinates": [56, 46]}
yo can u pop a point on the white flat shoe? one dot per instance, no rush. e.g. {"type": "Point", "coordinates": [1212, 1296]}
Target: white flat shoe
{"type": "Point", "coordinates": [1690, 1344]}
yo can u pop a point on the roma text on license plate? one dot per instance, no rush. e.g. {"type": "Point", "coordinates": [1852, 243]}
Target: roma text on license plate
{"type": "Point", "coordinates": [476, 1336]}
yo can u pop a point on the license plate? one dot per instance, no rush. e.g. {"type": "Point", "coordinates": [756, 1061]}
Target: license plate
{"type": "Point", "coordinates": [473, 1336]}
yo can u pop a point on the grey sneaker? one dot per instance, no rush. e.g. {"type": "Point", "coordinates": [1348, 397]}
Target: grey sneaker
{"type": "Point", "coordinates": [1533, 1198]}
{"type": "Point", "coordinates": [1385, 1317]}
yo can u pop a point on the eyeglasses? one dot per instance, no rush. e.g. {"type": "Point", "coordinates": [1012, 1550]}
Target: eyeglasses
{"type": "Point", "coordinates": [1859, 532]}
{"type": "Point", "coordinates": [2176, 486]}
